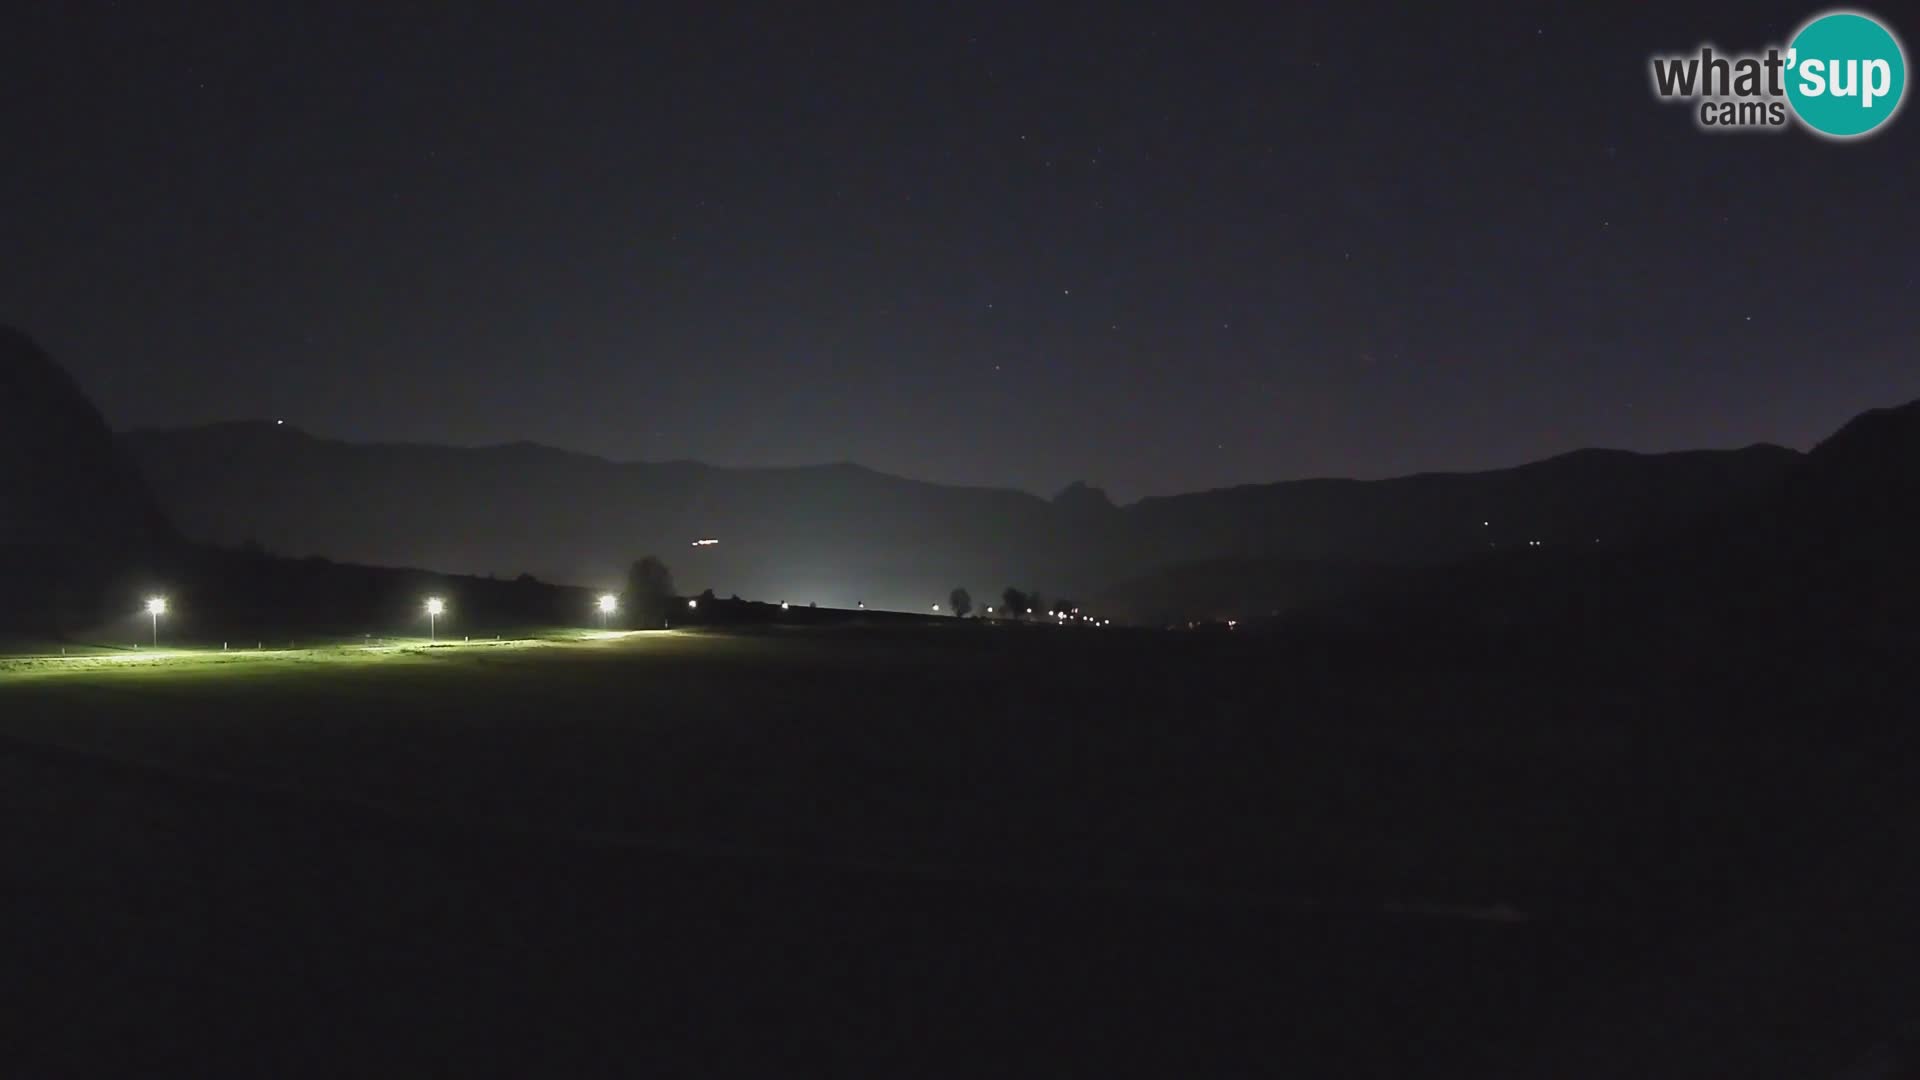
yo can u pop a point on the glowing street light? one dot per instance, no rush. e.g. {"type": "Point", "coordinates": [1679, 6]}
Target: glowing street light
{"type": "Point", "coordinates": [436, 607]}
{"type": "Point", "coordinates": [693, 603]}
{"type": "Point", "coordinates": [609, 604]}
{"type": "Point", "coordinates": [156, 607]}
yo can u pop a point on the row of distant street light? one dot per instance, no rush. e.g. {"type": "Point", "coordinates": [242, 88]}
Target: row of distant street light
{"type": "Point", "coordinates": [1062, 617]}
{"type": "Point", "coordinates": [607, 605]}
{"type": "Point", "coordinates": [434, 607]}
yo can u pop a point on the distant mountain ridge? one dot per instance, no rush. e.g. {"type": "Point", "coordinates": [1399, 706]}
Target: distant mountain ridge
{"type": "Point", "coordinates": [843, 534]}
{"type": "Point", "coordinates": [84, 544]}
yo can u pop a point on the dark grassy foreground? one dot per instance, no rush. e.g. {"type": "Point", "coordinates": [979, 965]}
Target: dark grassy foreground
{"type": "Point", "coordinates": [952, 850]}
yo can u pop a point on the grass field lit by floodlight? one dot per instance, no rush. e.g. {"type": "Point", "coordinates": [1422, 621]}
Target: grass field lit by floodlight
{"type": "Point", "coordinates": [773, 777]}
{"type": "Point", "coordinates": [43, 660]}
{"type": "Point", "coordinates": [936, 744]}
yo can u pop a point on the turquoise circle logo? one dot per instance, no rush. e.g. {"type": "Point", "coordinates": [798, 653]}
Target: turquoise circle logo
{"type": "Point", "coordinates": [1846, 74]}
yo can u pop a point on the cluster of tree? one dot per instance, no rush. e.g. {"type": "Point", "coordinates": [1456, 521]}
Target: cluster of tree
{"type": "Point", "coordinates": [649, 595]}
{"type": "Point", "coordinates": [1020, 603]}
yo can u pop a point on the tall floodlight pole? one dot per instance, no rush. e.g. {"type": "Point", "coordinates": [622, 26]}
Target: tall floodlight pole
{"type": "Point", "coordinates": [607, 605]}
{"type": "Point", "coordinates": [156, 607]}
{"type": "Point", "coordinates": [435, 606]}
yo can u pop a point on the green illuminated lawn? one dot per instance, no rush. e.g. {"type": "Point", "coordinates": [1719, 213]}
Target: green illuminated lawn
{"type": "Point", "coordinates": [1080, 754]}
{"type": "Point", "coordinates": [58, 660]}
{"type": "Point", "coordinates": [780, 832]}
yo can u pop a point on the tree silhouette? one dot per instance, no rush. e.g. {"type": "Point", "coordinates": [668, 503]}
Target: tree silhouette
{"type": "Point", "coordinates": [962, 603]}
{"type": "Point", "coordinates": [1016, 602]}
{"type": "Point", "coordinates": [649, 590]}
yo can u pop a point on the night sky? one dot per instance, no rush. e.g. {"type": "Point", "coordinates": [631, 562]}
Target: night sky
{"type": "Point", "coordinates": [1154, 248]}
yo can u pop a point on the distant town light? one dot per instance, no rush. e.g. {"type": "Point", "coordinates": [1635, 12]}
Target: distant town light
{"type": "Point", "coordinates": [936, 607]}
{"type": "Point", "coordinates": [783, 605]}
{"type": "Point", "coordinates": [693, 603]}
{"type": "Point", "coordinates": [705, 541]}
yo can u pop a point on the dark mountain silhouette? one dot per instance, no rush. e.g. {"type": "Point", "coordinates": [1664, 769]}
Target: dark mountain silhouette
{"type": "Point", "coordinates": [83, 543]}
{"type": "Point", "coordinates": [1319, 545]}
{"type": "Point", "coordinates": [74, 513]}
{"type": "Point", "coordinates": [840, 533]}
{"type": "Point", "coordinates": [1850, 525]}
{"type": "Point", "coordinates": [1081, 499]}
{"type": "Point", "coordinates": [1826, 563]}
{"type": "Point", "coordinates": [832, 534]}
{"type": "Point", "coordinates": [1868, 473]}
{"type": "Point", "coordinates": [1817, 570]}
{"type": "Point", "coordinates": [1612, 495]}
{"type": "Point", "coordinates": [68, 482]}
